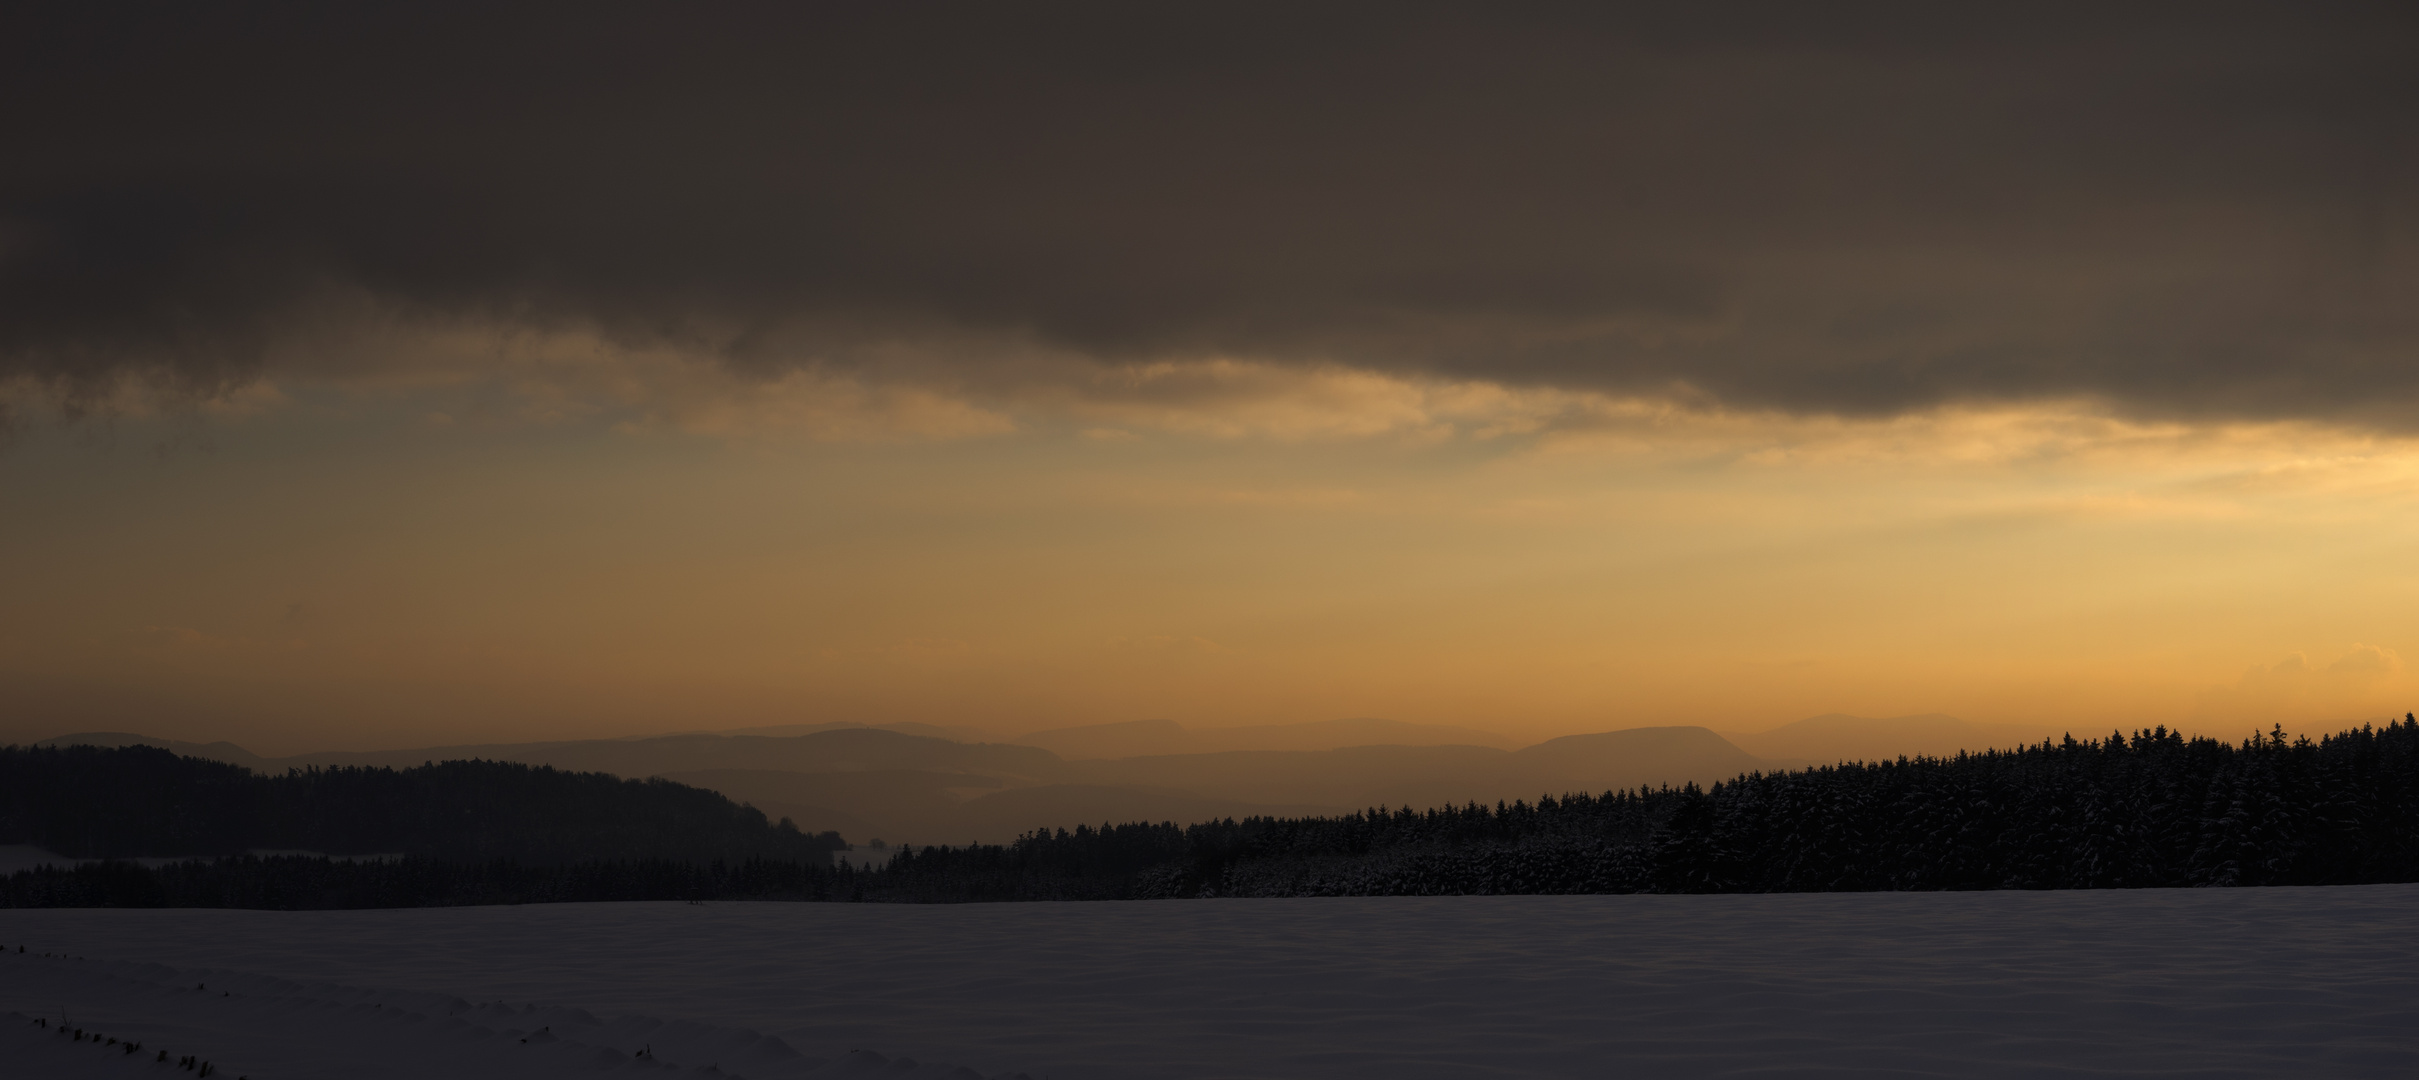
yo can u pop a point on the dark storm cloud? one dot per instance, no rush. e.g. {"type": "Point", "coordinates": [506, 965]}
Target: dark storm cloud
{"type": "Point", "coordinates": [2202, 208]}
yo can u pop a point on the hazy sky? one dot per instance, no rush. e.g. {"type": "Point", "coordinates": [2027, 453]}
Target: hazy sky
{"type": "Point", "coordinates": [447, 372]}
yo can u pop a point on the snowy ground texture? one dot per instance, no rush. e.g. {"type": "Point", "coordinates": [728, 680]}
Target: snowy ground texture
{"type": "Point", "coordinates": [2207, 983]}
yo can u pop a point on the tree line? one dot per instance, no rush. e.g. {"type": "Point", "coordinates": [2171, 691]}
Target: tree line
{"type": "Point", "coordinates": [2155, 809]}
{"type": "Point", "coordinates": [91, 802]}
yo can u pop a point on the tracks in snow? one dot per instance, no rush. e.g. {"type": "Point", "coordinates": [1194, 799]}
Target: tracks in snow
{"type": "Point", "coordinates": [258, 1027]}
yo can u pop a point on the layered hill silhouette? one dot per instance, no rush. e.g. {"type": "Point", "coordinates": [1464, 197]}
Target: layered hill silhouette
{"type": "Point", "coordinates": [2155, 809]}
{"type": "Point", "coordinates": [904, 728]}
{"type": "Point", "coordinates": [110, 740]}
{"type": "Point", "coordinates": [903, 786]}
{"type": "Point", "coordinates": [856, 749]}
{"type": "Point", "coordinates": [1140, 738]}
{"type": "Point", "coordinates": [136, 801]}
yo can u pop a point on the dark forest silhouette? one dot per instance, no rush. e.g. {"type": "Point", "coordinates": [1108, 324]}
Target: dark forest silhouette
{"type": "Point", "coordinates": [2153, 810]}
{"type": "Point", "coordinates": [88, 802]}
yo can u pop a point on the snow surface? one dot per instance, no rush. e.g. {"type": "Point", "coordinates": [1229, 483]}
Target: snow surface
{"type": "Point", "coordinates": [2208, 983]}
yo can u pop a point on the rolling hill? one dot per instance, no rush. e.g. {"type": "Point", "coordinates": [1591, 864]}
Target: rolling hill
{"type": "Point", "coordinates": [866, 782]}
{"type": "Point", "coordinates": [1140, 738]}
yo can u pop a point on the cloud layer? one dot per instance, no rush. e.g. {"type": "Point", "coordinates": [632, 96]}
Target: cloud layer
{"type": "Point", "coordinates": [2206, 211]}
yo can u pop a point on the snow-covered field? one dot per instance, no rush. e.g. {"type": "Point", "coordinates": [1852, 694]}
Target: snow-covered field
{"type": "Point", "coordinates": [2244, 982]}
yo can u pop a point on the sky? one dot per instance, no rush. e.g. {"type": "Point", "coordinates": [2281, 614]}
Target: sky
{"type": "Point", "coordinates": [483, 373]}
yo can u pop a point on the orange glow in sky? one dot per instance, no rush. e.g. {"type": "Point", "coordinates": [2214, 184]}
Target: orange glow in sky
{"type": "Point", "coordinates": [366, 564]}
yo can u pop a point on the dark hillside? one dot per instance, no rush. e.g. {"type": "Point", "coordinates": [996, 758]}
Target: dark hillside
{"type": "Point", "coordinates": [839, 750]}
{"type": "Point", "coordinates": [794, 747]}
{"type": "Point", "coordinates": [90, 802]}
{"type": "Point", "coordinates": [2155, 810]}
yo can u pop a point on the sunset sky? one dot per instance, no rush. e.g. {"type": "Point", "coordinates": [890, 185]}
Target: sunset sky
{"type": "Point", "coordinates": [380, 378]}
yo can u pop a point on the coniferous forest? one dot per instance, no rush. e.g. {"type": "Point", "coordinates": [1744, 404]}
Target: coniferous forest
{"type": "Point", "coordinates": [2152, 810]}
{"type": "Point", "coordinates": [89, 802]}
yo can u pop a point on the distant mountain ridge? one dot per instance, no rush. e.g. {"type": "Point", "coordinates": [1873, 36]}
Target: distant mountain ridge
{"type": "Point", "coordinates": [866, 782]}
{"type": "Point", "coordinates": [904, 727]}
{"type": "Point", "coordinates": [877, 781]}
{"type": "Point", "coordinates": [110, 740]}
{"type": "Point", "coordinates": [1145, 738]}
{"type": "Point", "coordinates": [849, 749]}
